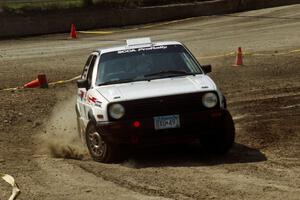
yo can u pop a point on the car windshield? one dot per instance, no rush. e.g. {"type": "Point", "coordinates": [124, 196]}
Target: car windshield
{"type": "Point", "coordinates": [145, 64]}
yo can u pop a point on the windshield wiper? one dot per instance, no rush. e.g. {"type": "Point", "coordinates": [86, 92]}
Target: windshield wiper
{"type": "Point", "coordinates": [117, 81]}
{"type": "Point", "coordinates": [171, 72]}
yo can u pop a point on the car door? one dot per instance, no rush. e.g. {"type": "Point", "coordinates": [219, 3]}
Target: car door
{"type": "Point", "coordinates": [87, 74]}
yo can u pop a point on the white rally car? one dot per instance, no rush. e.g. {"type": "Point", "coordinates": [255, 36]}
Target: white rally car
{"type": "Point", "coordinates": [148, 92]}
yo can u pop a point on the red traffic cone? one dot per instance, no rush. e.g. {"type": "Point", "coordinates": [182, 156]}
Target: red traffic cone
{"type": "Point", "coordinates": [73, 33]}
{"type": "Point", "coordinates": [32, 84]}
{"type": "Point", "coordinates": [43, 80]}
{"type": "Point", "coordinates": [239, 57]}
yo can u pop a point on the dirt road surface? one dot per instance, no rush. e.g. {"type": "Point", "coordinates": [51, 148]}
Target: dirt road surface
{"type": "Point", "coordinates": [38, 138]}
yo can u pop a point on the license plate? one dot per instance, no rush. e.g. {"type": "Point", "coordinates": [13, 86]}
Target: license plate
{"type": "Point", "coordinates": [166, 122]}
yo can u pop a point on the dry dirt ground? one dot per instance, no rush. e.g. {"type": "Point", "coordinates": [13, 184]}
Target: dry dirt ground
{"type": "Point", "coordinates": [38, 138]}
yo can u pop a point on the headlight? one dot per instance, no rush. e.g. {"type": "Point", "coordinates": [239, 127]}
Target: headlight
{"type": "Point", "coordinates": [116, 111]}
{"type": "Point", "coordinates": [210, 100]}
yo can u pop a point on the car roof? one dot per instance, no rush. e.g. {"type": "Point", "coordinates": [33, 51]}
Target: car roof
{"type": "Point", "coordinates": [137, 45]}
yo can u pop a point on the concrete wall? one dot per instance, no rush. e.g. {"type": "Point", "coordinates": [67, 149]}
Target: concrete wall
{"type": "Point", "coordinates": [37, 23]}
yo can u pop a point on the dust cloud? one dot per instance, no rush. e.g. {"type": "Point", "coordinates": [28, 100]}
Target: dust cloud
{"type": "Point", "coordinates": [59, 138]}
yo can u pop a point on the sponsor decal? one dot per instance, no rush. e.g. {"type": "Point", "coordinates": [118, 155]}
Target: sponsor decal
{"type": "Point", "coordinates": [142, 49]}
{"type": "Point", "coordinates": [98, 104]}
{"type": "Point", "coordinates": [127, 51]}
{"type": "Point", "coordinates": [92, 99]}
{"type": "Point", "coordinates": [152, 48]}
{"type": "Point", "coordinates": [81, 94]}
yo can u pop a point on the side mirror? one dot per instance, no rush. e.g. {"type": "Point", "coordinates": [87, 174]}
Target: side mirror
{"type": "Point", "coordinates": [82, 83]}
{"type": "Point", "coordinates": [206, 68]}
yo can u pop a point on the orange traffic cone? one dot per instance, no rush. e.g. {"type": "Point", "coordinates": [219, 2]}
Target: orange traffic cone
{"type": "Point", "coordinates": [41, 81]}
{"type": "Point", "coordinates": [239, 57]}
{"type": "Point", "coordinates": [32, 84]}
{"type": "Point", "coordinates": [73, 33]}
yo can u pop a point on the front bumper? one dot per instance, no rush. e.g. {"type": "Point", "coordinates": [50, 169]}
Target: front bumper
{"type": "Point", "coordinates": [192, 126]}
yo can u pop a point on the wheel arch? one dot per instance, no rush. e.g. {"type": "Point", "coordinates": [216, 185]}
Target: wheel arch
{"type": "Point", "coordinates": [91, 116]}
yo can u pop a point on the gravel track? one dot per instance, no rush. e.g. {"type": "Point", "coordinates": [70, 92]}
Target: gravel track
{"type": "Point", "coordinates": [263, 97]}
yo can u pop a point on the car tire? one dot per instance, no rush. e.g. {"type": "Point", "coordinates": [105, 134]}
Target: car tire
{"type": "Point", "coordinates": [222, 139]}
{"type": "Point", "coordinates": [100, 149]}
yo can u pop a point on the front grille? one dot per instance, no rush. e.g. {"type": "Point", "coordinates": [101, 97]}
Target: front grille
{"type": "Point", "coordinates": [167, 105]}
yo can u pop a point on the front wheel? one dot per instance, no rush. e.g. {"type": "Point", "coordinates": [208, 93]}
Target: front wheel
{"type": "Point", "coordinates": [99, 148]}
{"type": "Point", "coordinates": [222, 139]}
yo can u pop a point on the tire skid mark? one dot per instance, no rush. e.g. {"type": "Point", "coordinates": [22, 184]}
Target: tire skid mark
{"type": "Point", "coordinates": [131, 185]}
{"type": "Point", "coordinates": [264, 98]}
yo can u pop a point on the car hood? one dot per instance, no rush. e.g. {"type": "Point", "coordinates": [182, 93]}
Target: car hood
{"type": "Point", "coordinates": [157, 87]}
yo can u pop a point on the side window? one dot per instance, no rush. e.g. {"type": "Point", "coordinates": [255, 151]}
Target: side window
{"type": "Point", "coordinates": [90, 70]}
{"type": "Point", "coordinates": [86, 67]}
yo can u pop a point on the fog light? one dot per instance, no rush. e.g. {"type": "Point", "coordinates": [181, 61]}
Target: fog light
{"type": "Point", "coordinates": [136, 124]}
